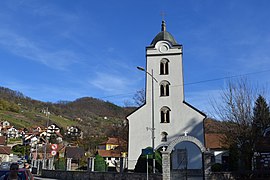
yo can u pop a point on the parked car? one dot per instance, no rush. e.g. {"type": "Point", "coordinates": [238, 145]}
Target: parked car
{"type": "Point", "coordinates": [5, 165]}
{"type": "Point", "coordinates": [22, 174]}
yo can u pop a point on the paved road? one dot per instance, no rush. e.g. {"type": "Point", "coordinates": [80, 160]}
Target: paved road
{"type": "Point", "coordinates": [36, 177]}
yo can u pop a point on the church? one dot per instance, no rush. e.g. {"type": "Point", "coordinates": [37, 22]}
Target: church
{"type": "Point", "coordinates": [165, 116]}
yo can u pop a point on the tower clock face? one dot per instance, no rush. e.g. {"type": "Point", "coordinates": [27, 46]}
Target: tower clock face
{"type": "Point", "coordinates": [163, 48]}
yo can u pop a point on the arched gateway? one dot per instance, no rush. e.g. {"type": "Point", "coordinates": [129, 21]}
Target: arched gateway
{"type": "Point", "coordinates": [166, 159]}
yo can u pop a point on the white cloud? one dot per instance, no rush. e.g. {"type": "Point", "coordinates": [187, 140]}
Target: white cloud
{"type": "Point", "coordinates": [111, 83]}
{"type": "Point", "coordinates": [27, 48]}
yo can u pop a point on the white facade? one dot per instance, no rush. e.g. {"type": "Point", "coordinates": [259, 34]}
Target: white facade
{"type": "Point", "coordinates": [173, 117]}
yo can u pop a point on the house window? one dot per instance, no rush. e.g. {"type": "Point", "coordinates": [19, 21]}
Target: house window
{"type": "Point", "coordinates": [164, 137]}
{"type": "Point", "coordinates": [165, 115]}
{"type": "Point", "coordinates": [164, 66]}
{"type": "Point", "coordinates": [164, 88]}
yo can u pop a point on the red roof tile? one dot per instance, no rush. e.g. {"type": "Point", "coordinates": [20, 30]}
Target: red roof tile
{"type": "Point", "coordinates": [109, 153]}
{"type": "Point", "coordinates": [215, 141]}
{"type": "Point", "coordinates": [2, 140]}
{"type": "Point", "coordinates": [5, 150]}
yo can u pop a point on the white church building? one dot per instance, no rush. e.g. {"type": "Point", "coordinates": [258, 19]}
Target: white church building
{"type": "Point", "coordinates": [166, 115]}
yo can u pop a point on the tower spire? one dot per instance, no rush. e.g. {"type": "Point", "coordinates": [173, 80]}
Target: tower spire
{"type": "Point", "coordinates": [163, 26]}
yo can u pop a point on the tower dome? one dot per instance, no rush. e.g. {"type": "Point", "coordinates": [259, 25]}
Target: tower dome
{"type": "Point", "coordinates": [163, 36]}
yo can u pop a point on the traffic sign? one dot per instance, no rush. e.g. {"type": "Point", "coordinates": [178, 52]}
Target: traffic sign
{"type": "Point", "coordinates": [53, 152]}
{"type": "Point", "coordinates": [147, 151]}
{"type": "Point", "coordinates": [54, 146]}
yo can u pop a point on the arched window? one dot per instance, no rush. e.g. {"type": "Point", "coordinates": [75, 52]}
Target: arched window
{"type": "Point", "coordinates": [165, 115]}
{"type": "Point", "coordinates": [164, 88]}
{"type": "Point", "coordinates": [164, 66]}
{"type": "Point", "coordinates": [164, 136]}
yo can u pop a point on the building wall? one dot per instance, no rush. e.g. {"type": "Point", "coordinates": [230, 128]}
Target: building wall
{"type": "Point", "coordinates": [183, 118]}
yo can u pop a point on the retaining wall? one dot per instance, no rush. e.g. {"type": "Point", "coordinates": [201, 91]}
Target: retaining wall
{"type": "Point", "coordinates": [81, 175]}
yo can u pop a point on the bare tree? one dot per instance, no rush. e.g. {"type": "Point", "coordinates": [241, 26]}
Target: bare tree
{"type": "Point", "coordinates": [236, 109]}
{"type": "Point", "coordinates": [139, 97]}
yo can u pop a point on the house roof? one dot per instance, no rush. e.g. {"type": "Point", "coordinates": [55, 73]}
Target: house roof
{"type": "Point", "coordinates": [49, 148]}
{"type": "Point", "coordinates": [113, 140]}
{"type": "Point", "coordinates": [215, 141]}
{"type": "Point", "coordinates": [109, 153]}
{"type": "Point", "coordinates": [5, 150]}
{"type": "Point", "coordinates": [74, 152]}
{"type": "Point", "coordinates": [58, 134]}
{"type": "Point", "coordinates": [2, 140]}
{"type": "Point", "coordinates": [122, 144]}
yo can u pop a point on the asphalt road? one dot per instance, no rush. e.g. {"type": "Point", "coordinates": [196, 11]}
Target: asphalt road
{"type": "Point", "coordinates": [36, 177]}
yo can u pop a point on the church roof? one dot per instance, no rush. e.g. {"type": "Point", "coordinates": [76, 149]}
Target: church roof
{"type": "Point", "coordinates": [164, 36]}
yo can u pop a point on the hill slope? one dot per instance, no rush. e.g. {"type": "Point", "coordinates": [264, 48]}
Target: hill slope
{"type": "Point", "coordinates": [92, 115]}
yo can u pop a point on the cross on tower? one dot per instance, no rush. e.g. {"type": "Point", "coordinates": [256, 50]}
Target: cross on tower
{"type": "Point", "coordinates": [162, 15]}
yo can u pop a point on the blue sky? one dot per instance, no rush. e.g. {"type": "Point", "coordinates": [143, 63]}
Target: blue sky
{"type": "Point", "coordinates": [54, 50]}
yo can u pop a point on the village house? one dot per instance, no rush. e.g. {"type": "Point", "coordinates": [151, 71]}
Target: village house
{"type": "Point", "coordinates": [114, 152]}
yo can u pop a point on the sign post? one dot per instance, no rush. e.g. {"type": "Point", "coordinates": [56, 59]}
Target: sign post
{"type": "Point", "coordinates": [147, 152]}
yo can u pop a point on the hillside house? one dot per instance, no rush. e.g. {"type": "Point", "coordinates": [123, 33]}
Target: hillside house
{"type": "Point", "coordinates": [112, 151]}
{"type": "Point", "coordinates": [3, 141]}
{"type": "Point", "coordinates": [75, 154]}
{"type": "Point", "coordinates": [12, 133]}
{"type": "Point", "coordinates": [5, 152]}
{"type": "Point", "coordinates": [74, 132]}
{"type": "Point", "coordinates": [5, 124]}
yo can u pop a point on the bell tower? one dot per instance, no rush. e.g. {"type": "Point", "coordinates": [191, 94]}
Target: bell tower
{"type": "Point", "coordinates": [165, 113]}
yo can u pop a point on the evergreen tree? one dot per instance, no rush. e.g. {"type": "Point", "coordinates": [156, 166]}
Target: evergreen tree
{"type": "Point", "coordinates": [100, 164]}
{"type": "Point", "coordinates": [261, 117]}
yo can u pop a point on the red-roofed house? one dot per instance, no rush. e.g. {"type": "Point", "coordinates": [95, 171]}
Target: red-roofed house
{"type": "Point", "coordinates": [3, 141]}
{"type": "Point", "coordinates": [4, 153]}
{"type": "Point", "coordinates": [112, 150]}
{"type": "Point", "coordinates": [214, 142]}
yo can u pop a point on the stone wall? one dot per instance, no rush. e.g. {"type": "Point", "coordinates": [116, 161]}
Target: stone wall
{"type": "Point", "coordinates": [72, 175]}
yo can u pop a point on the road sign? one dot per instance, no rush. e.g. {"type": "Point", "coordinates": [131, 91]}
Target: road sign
{"type": "Point", "coordinates": [147, 151]}
{"type": "Point", "coordinates": [53, 152]}
{"type": "Point", "coordinates": [54, 146]}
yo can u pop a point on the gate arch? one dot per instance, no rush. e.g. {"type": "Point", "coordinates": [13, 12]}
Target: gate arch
{"type": "Point", "coordinates": [166, 167]}
{"type": "Point", "coordinates": [185, 138]}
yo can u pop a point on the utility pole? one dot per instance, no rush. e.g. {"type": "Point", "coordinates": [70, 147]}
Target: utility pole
{"type": "Point", "coordinates": [153, 114]}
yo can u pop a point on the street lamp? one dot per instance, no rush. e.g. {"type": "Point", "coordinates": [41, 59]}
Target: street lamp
{"type": "Point", "coordinates": [153, 111]}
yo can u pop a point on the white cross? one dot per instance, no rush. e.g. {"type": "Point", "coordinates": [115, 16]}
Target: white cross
{"type": "Point", "coordinates": [185, 133]}
{"type": "Point", "coordinates": [163, 148]}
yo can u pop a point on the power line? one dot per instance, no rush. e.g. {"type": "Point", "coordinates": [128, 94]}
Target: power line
{"type": "Point", "coordinates": [191, 83]}
{"type": "Point", "coordinates": [226, 77]}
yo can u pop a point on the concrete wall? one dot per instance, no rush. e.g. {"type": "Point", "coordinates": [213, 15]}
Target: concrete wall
{"type": "Point", "coordinates": [72, 175]}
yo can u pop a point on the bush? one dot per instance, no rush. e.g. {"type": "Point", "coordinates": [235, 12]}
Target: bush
{"type": "Point", "coordinates": [60, 164]}
{"type": "Point", "coordinates": [217, 167]}
{"type": "Point", "coordinates": [142, 161]}
{"type": "Point", "coordinates": [100, 164]}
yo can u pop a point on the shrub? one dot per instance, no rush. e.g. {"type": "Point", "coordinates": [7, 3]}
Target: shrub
{"type": "Point", "coordinates": [217, 167]}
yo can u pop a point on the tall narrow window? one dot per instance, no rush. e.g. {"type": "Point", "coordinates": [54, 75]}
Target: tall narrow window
{"type": "Point", "coordinates": [164, 66]}
{"type": "Point", "coordinates": [164, 137]}
{"type": "Point", "coordinates": [164, 88]}
{"type": "Point", "coordinates": [165, 115]}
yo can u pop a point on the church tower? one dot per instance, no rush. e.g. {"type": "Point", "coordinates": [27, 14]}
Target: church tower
{"type": "Point", "coordinates": [165, 115]}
